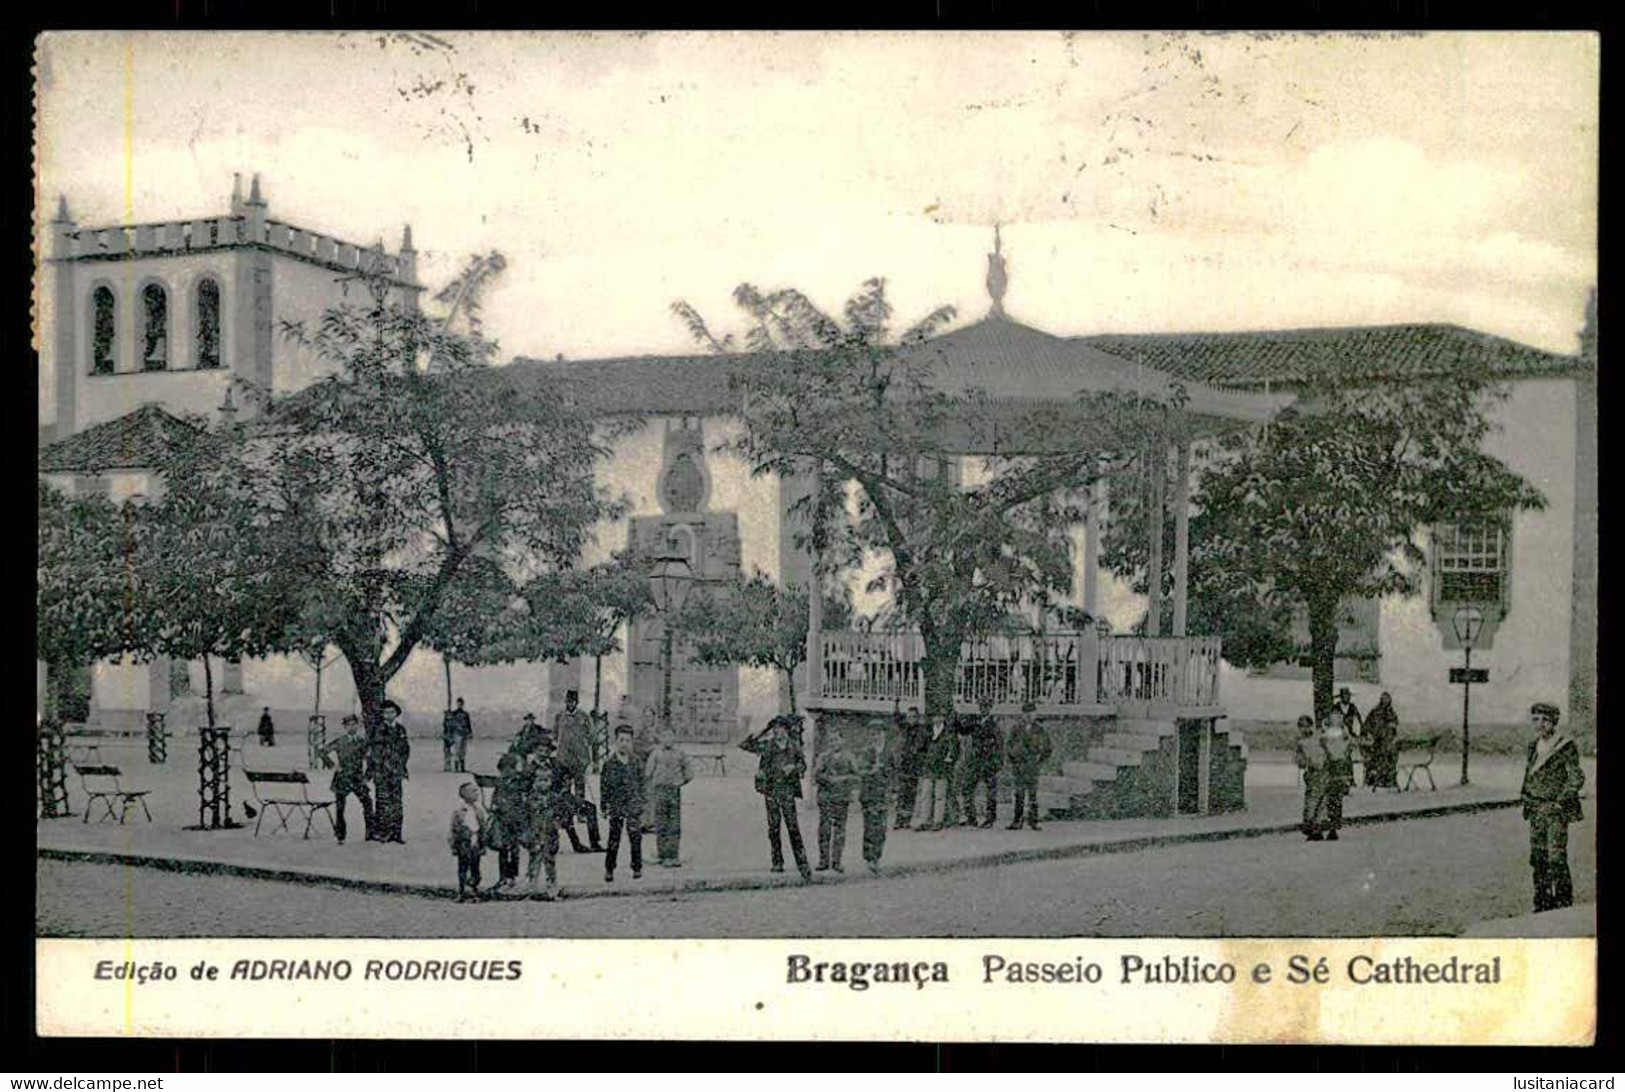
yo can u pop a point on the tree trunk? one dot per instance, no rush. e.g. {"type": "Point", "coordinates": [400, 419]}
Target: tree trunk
{"type": "Point", "coordinates": [208, 691]}
{"type": "Point", "coordinates": [369, 692]}
{"type": "Point", "coordinates": [445, 659]}
{"type": "Point", "coordinates": [941, 670]}
{"type": "Point", "coordinates": [319, 665]}
{"type": "Point", "coordinates": [790, 679]}
{"type": "Point", "coordinates": [1322, 652]}
{"type": "Point", "coordinates": [597, 680]}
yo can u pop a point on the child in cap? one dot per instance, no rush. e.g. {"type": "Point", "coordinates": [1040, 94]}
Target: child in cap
{"type": "Point", "coordinates": [466, 838]}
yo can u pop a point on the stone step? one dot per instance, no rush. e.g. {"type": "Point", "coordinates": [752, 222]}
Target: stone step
{"type": "Point", "coordinates": [1053, 801]}
{"type": "Point", "coordinates": [1142, 726]}
{"type": "Point", "coordinates": [1132, 741]}
{"type": "Point", "coordinates": [1065, 786]}
{"type": "Point", "coordinates": [1089, 771]}
{"type": "Point", "coordinates": [1115, 757]}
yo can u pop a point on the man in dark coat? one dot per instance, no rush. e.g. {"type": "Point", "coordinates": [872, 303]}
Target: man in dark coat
{"type": "Point", "coordinates": [908, 763]}
{"type": "Point", "coordinates": [620, 789]}
{"type": "Point", "coordinates": [387, 753]}
{"type": "Point", "coordinates": [542, 830]}
{"type": "Point", "coordinates": [455, 733]}
{"type": "Point", "coordinates": [986, 755]}
{"type": "Point", "coordinates": [1029, 748]}
{"type": "Point", "coordinates": [1552, 780]}
{"type": "Point", "coordinates": [267, 729]}
{"type": "Point", "coordinates": [1353, 723]}
{"type": "Point", "coordinates": [349, 753]}
{"type": "Point", "coordinates": [572, 732]}
{"type": "Point", "coordinates": [874, 770]}
{"type": "Point", "coordinates": [780, 766]}
{"type": "Point", "coordinates": [937, 772]}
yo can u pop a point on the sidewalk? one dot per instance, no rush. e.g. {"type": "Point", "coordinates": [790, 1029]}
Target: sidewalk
{"type": "Point", "coordinates": [723, 838]}
{"type": "Point", "coordinates": [1575, 921]}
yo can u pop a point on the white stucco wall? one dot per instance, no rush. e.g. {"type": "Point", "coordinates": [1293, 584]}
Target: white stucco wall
{"type": "Point", "coordinates": [300, 292]}
{"type": "Point", "coordinates": [1530, 657]}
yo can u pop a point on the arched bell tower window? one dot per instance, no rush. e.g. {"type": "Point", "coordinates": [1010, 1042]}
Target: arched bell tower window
{"type": "Point", "coordinates": [104, 331]}
{"type": "Point", "coordinates": [154, 328]}
{"type": "Point", "coordinates": [208, 323]}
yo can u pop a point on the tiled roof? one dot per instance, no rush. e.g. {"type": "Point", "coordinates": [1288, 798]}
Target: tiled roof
{"type": "Point", "coordinates": [646, 384]}
{"type": "Point", "coordinates": [135, 441]}
{"type": "Point", "coordinates": [1285, 357]}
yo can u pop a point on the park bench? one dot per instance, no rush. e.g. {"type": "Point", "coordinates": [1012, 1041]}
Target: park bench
{"type": "Point", "coordinates": [104, 784]}
{"type": "Point", "coordinates": [280, 798]}
{"type": "Point", "coordinates": [1416, 756]}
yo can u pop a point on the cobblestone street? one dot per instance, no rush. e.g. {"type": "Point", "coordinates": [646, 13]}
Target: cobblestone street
{"type": "Point", "coordinates": [1425, 876]}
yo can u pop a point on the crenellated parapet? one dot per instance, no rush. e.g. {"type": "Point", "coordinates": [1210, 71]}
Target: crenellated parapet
{"type": "Point", "coordinates": [247, 225]}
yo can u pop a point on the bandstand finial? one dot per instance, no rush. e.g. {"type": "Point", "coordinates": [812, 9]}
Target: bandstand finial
{"type": "Point", "coordinates": [998, 278]}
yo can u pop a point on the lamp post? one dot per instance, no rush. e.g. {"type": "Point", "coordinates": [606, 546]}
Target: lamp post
{"type": "Point", "coordinates": [1467, 621]}
{"type": "Point", "coordinates": [671, 577]}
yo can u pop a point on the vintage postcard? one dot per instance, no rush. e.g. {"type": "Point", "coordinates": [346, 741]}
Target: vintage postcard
{"type": "Point", "coordinates": [1018, 536]}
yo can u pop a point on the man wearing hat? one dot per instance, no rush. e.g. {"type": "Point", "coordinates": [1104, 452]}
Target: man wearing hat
{"type": "Point", "coordinates": [780, 766]}
{"type": "Point", "coordinates": [387, 752]}
{"type": "Point", "coordinates": [1552, 780]}
{"type": "Point", "coordinates": [349, 751]}
{"type": "Point", "coordinates": [1029, 748]}
{"type": "Point", "coordinates": [528, 738]}
{"type": "Point", "coordinates": [572, 733]}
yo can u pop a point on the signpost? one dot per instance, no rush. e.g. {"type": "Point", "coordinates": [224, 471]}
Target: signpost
{"type": "Point", "coordinates": [1467, 621]}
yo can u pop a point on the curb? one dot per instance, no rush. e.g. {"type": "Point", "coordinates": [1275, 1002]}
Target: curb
{"type": "Point", "coordinates": [758, 883]}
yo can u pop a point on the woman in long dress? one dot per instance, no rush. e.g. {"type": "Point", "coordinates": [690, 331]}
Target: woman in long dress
{"type": "Point", "coordinates": [1381, 745]}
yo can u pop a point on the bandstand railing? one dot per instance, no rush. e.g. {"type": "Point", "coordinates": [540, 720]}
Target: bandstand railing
{"type": "Point", "coordinates": [1061, 670]}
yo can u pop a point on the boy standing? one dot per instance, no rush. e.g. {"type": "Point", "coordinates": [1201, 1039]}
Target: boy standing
{"type": "Point", "coordinates": [837, 776]}
{"type": "Point", "coordinates": [1029, 749]}
{"type": "Point", "coordinates": [1552, 781]}
{"type": "Point", "coordinates": [350, 778]}
{"type": "Point", "coordinates": [1311, 758]}
{"type": "Point", "coordinates": [665, 775]}
{"type": "Point", "coordinates": [619, 788]}
{"type": "Point", "coordinates": [468, 824]}
{"type": "Point", "coordinates": [510, 813]}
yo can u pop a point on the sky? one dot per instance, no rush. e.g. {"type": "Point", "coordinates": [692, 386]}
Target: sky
{"type": "Point", "coordinates": [1144, 182]}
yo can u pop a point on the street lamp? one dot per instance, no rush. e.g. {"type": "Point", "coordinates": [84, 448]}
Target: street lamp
{"type": "Point", "coordinates": [670, 577]}
{"type": "Point", "coordinates": [1467, 622]}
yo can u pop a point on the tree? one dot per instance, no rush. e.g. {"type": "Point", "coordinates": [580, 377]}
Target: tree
{"type": "Point", "coordinates": [755, 623]}
{"type": "Point", "coordinates": [1326, 505]}
{"type": "Point", "coordinates": [83, 588]}
{"type": "Point", "coordinates": [400, 480]}
{"type": "Point", "coordinates": [201, 589]}
{"type": "Point", "coordinates": [846, 403]}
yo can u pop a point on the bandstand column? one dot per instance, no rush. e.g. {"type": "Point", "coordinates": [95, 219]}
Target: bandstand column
{"type": "Point", "coordinates": [1157, 470]}
{"type": "Point", "coordinates": [1182, 538]}
{"type": "Point", "coordinates": [1093, 525]}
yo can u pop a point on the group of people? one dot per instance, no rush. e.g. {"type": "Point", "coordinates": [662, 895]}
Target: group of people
{"type": "Point", "coordinates": [377, 759]}
{"type": "Point", "coordinates": [541, 788]}
{"type": "Point", "coordinates": [938, 766]}
{"type": "Point", "coordinates": [1328, 752]}
{"type": "Point", "coordinates": [1550, 793]}
{"type": "Point", "coordinates": [935, 766]}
